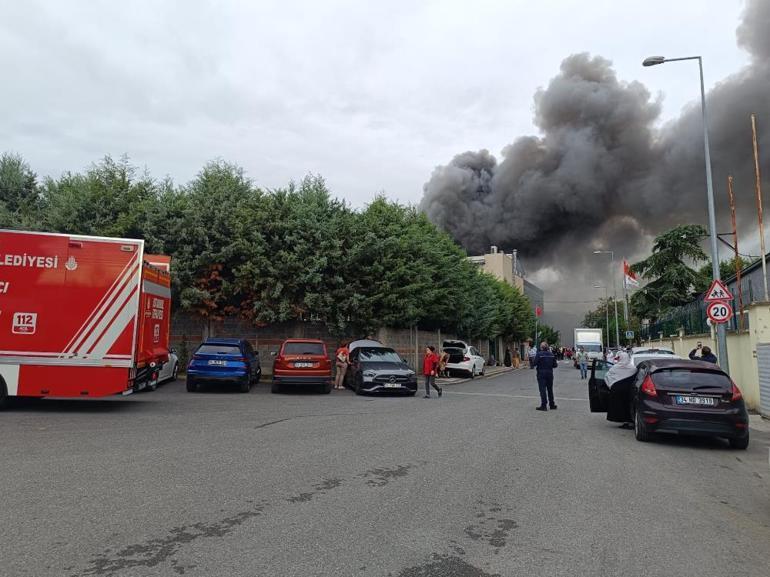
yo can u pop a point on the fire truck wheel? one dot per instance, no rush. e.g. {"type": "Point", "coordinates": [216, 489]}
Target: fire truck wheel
{"type": "Point", "coordinates": [3, 395]}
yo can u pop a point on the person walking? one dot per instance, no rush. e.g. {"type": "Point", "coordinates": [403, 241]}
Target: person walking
{"type": "Point", "coordinates": [429, 369]}
{"type": "Point", "coordinates": [531, 354]}
{"type": "Point", "coordinates": [582, 359]}
{"type": "Point", "coordinates": [342, 360]}
{"type": "Point", "coordinates": [545, 362]}
{"type": "Point", "coordinates": [705, 355]}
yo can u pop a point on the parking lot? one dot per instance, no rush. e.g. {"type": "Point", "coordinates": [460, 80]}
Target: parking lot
{"type": "Point", "coordinates": [476, 483]}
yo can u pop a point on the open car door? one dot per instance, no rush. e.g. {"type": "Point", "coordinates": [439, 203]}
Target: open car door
{"type": "Point", "coordinates": [597, 388]}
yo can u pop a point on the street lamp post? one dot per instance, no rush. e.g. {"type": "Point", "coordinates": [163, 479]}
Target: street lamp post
{"type": "Point", "coordinates": [721, 334]}
{"type": "Point", "coordinates": [606, 312]}
{"type": "Point", "coordinates": [615, 295]}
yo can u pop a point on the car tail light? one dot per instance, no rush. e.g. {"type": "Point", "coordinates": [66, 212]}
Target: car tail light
{"type": "Point", "coordinates": [651, 420]}
{"type": "Point", "coordinates": [737, 395]}
{"type": "Point", "coordinates": [648, 387]}
{"type": "Point", "coordinates": [466, 359]}
{"type": "Point", "coordinates": [240, 359]}
{"type": "Point", "coordinates": [741, 425]}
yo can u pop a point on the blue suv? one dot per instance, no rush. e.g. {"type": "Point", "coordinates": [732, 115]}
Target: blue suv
{"type": "Point", "coordinates": [224, 361]}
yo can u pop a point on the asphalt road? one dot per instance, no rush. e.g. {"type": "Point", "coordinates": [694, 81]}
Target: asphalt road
{"type": "Point", "coordinates": [474, 484]}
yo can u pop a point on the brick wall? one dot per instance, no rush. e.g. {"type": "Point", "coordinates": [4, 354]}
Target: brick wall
{"type": "Point", "coordinates": [188, 331]}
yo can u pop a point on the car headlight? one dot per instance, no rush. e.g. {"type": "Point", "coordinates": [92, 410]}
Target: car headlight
{"type": "Point", "coordinates": [370, 374]}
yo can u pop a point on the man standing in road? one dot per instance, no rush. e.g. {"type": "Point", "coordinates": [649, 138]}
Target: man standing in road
{"type": "Point", "coordinates": [582, 359]}
{"type": "Point", "coordinates": [429, 368]}
{"type": "Point", "coordinates": [545, 362]}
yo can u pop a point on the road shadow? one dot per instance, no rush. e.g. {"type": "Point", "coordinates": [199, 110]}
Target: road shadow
{"type": "Point", "coordinates": [48, 405]}
{"type": "Point", "coordinates": [691, 442]}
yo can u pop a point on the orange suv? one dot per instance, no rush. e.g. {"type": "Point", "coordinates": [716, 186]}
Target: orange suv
{"type": "Point", "coordinates": [302, 362]}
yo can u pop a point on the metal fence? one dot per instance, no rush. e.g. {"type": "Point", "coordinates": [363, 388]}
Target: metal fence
{"type": "Point", "coordinates": [691, 318]}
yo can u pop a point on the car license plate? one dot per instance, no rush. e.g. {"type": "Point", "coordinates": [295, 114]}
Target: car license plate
{"type": "Point", "coordinates": [303, 365]}
{"type": "Point", "coordinates": [218, 363]}
{"type": "Point", "coordinates": [707, 401]}
{"type": "Point", "coordinates": [392, 386]}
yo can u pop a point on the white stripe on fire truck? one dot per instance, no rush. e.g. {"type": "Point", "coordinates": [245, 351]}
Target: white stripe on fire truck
{"type": "Point", "coordinates": [117, 306]}
{"type": "Point", "coordinates": [99, 321]}
{"type": "Point", "coordinates": [153, 288]}
{"type": "Point", "coordinates": [99, 310]}
{"type": "Point", "coordinates": [122, 320]}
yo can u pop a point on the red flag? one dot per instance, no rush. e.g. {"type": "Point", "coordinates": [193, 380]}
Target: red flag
{"type": "Point", "coordinates": [629, 276]}
{"type": "Point", "coordinates": [538, 311]}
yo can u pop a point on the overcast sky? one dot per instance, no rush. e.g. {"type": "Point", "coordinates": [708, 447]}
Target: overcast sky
{"type": "Point", "coordinates": [370, 95]}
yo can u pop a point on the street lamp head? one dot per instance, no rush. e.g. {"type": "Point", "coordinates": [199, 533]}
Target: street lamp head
{"type": "Point", "coordinates": [653, 61]}
{"type": "Point", "coordinates": [598, 286]}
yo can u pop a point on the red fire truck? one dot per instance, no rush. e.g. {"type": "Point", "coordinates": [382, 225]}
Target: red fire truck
{"type": "Point", "coordinates": [80, 316]}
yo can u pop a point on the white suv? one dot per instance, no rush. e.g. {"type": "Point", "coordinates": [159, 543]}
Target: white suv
{"type": "Point", "coordinates": [463, 358]}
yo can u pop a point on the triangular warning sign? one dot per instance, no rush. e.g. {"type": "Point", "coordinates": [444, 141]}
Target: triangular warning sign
{"type": "Point", "coordinates": [718, 292]}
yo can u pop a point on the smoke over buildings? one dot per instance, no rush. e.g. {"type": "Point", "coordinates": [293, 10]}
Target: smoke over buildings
{"type": "Point", "coordinates": [600, 173]}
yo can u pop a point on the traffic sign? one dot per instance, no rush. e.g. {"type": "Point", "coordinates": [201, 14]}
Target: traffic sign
{"type": "Point", "coordinates": [629, 335]}
{"type": "Point", "coordinates": [719, 312]}
{"type": "Point", "coordinates": [718, 292]}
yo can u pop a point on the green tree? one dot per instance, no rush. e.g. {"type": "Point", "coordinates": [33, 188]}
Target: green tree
{"type": "Point", "coordinates": [110, 199]}
{"type": "Point", "coordinates": [19, 193]}
{"type": "Point", "coordinates": [548, 334]}
{"type": "Point", "coordinates": [727, 268]}
{"type": "Point", "coordinates": [671, 281]}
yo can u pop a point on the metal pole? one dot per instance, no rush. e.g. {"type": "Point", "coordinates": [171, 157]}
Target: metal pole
{"type": "Point", "coordinates": [721, 334]}
{"type": "Point", "coordinates": [615, 299]}
{"type": "Point", "coordinates": [607, 317]}
{"type": "Point", "coordinates": [625, 294]}
{"type": "Point", "coordinates": [737, 255]}
{"type": "Point", "coordinates": [758, 188]}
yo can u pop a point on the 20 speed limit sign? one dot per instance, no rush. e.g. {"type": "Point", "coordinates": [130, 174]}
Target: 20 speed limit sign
{"type": "Point", "coordinates": [719, 312]}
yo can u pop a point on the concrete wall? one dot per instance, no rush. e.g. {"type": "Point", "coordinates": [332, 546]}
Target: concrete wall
{"type": "Point", "coordinates": [187, 332]}
{"type": "Point", "coordinates": [741, 350]}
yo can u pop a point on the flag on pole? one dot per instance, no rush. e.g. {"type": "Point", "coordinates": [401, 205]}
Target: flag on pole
{"type": "Point", "coordinates": [538, 311]}
{"type": "Point", "coordinates": [629, 276]}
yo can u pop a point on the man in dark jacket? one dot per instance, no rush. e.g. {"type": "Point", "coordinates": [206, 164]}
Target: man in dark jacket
{"type": "Point", "coordinates": [545, 363]}
{"type": "Point", "coordinates": [705, 355]}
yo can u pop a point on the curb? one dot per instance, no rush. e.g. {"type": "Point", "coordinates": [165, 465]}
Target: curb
{"type": "Point", "coordinates": [478, 378]}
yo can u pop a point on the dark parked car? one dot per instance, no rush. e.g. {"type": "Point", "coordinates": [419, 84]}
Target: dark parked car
{"type": "Point", "coordinates": [375, 368]}
{"type": "Point", "coordinates": [302, 362]}
{"type": "Point", "coordinates": [224, 361]}
{"type": "Point", "coordinates": [676, 396]}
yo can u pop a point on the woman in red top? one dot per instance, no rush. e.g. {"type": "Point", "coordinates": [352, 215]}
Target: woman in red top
{"type": "Point", "coordinates": [429, 369]}
{"type": "Point", "coordinates": [341, 361]}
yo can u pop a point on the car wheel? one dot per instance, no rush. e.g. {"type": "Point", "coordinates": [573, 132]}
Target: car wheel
{"type": "Point", "coordinates": [481, 374]}
{"type": "Point", "coordinates": [640, 428]}
{"type": "Point", "coordinates": [358, 387]}
{"type": "Point", "coordinates": [472, 372]}
{"type": "Point", "coordinates": [741, 443]}
{"type": "Point", "coordinates": [152, 386]}
{"type": "Point", "coordinates": [275, 388]}
{"type": "Point", "coordinates": [245, 387]}
{"type": "Point", "coordinates": [191, 386]}
{"type": "Point", "coordinates": [326, 388]}
{"type": "Point", "coordinates": [174, 373]}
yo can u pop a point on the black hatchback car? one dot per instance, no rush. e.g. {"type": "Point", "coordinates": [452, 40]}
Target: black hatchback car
{"type": "Point", "coordinates": [378, 369]}
{"type": "Point", "coordinates": [676, 396]}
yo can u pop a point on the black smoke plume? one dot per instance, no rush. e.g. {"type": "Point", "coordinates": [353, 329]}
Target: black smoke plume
{"type": "Point", "coordinates": [600, 174]}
